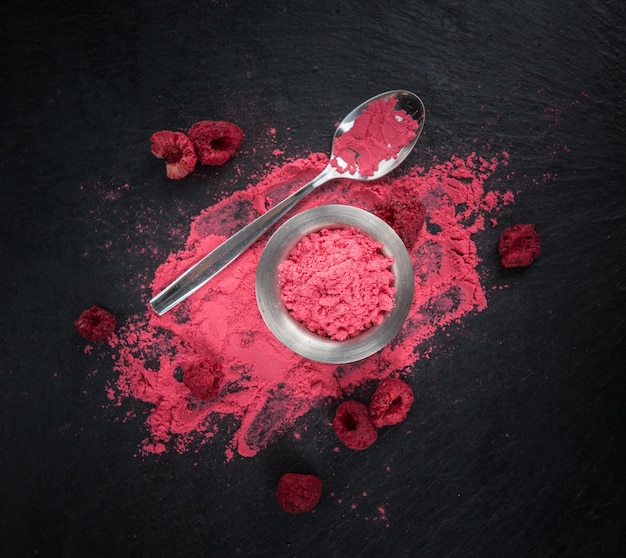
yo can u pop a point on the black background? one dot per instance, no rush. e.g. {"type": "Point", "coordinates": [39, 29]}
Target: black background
{"type": "Point", "coordinates": [515, 446]}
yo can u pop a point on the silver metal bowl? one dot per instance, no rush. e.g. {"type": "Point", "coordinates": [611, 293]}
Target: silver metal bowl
{"type": "Point", "coordinates": [297, 337]}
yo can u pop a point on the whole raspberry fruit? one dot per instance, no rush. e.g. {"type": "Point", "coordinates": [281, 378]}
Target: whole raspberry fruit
{"type": "Point", "coordinates": [391, 402]}
{"type": "Point", "coordinates": [404, 217]}
{"type": "Point", "coordinates": [177, 150]}
{"type": "Point", "coordinates": [353, 425]}
{"type": "Point", "coordinates": [519, 245]}
{"type": "Point", "coordinates": [215, 141]}
{"type": "Point", "coordinates": [297, 493]}
{"type": "Point", "coordinates": [204, 378]}
{"type": "Point", "coordinates": [95, 324]}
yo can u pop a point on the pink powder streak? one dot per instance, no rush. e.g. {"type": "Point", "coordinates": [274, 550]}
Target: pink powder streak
{"type": "Point", "coordinates": [266, 387]}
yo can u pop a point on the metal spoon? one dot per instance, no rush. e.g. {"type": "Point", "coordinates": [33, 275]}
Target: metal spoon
{"type": "Point", "coordinates": [196, 276]}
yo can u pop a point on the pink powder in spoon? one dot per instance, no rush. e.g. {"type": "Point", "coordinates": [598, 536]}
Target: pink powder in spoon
{"type": "Point", "coordinates": [265, 387]}
{"type": "Point", "coordinates": [337, 282]}
{"type": "Point", "coordinates": [378, 134]}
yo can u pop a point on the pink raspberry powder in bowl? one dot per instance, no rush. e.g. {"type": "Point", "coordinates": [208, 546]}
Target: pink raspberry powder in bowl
{"type": "Point", "coordinates": [335, 284]}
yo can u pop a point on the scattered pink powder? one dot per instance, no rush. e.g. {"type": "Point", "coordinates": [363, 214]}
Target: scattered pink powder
{"type": "Point", "coordinates": [266, 387]}
{"type": "Point", "coordinates": [377, 135]}
{"type": "Point", "coordinates": [337, 283]}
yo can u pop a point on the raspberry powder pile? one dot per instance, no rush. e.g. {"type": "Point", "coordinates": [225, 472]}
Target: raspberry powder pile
{"type": "Point", "coordinates": [337, 283]}
{"type": "Point", "coordinates": [262, 385]}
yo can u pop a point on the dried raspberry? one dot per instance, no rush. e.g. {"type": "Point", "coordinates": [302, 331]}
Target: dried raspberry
{"type": "Point", "coordinates": [95, 324]}
{"type": "Point", "coordinates": [204, 379]}
{"type": "Point", "coordinates": [405, 217]}
{"type": "Point", "coordinates": [177, 150]}
{"type": "Point", "coordinates": [391, 402]}
{"type": "Point", "coordinates": [519, 245]}
{"type": "Point", "coordinates": [298, 493]}
{"type": "Point", "coordinates": [214, 141]}
{"type": "Point", "coordinates": [353, 425]}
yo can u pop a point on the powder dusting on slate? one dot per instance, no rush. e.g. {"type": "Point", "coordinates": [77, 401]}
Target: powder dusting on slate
{"type": "Point", "coordinates": [266, 387]}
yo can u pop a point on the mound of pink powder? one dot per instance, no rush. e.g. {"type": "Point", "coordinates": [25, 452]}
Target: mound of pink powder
{"type": "Point", "coordinates": [265, 387]}
{"type": "Point", "coordinates": [378, 134]}
{"type": "Point", "coordinates": [337, 283]}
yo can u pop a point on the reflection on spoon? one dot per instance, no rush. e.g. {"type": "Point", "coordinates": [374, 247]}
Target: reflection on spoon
{"type": "Point", "coordinates": [369, 142]}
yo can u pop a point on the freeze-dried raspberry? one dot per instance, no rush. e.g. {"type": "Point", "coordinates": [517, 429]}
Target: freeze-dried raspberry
{"type": "Point", "coordinates": [353, 425]}
{"type": "Point", "coordinates": [215, 141]}
{"type": "Point", "coordinates": [519, 245]}
{"type": "Point", "coordinates": [204, 378]}
{"type": "Point", "coordinates": [391, 402]}
{"type": "Point", "coordinates": [95, 324]}
{"type": "Point", "coordinates": [406, 218]}
{"type": "Point", "coordinates": [297, 493]}
{"type": "Point", "coordinates": [177, 150]}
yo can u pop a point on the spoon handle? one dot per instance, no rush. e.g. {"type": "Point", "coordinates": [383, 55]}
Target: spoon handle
{"type": "Point", "coordinates": [197, 275]}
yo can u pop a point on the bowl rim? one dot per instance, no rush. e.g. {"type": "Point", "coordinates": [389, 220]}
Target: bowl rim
{"type": "Point", "coordinates": [296, 336]}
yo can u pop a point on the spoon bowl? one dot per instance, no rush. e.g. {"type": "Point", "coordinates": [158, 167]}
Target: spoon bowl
{"type": "Point", "coordinates": [204, 270]}
{"type": "Point", "coordinates": [404, 101]}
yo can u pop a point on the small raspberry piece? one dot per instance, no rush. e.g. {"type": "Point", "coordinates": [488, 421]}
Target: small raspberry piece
{"type": "Point", "coordinates": [519, 245]}
{"type": "Point", "coordinates": [215, 141]}
{"type": "Point", "coordinates": [204, 378]}
{"type": "Point", "coordinates": [353, 425]}
{"type": "Point", "coordinates": [404, 217]}
{"type": "Point", "coordinates": [298, 493]}
{"type": "Point", "coordinates": [177, 150]}
{"type": "Point", "coordinates": [95, 324]}
{"type": "Point", "coordinates": [391, 402]}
